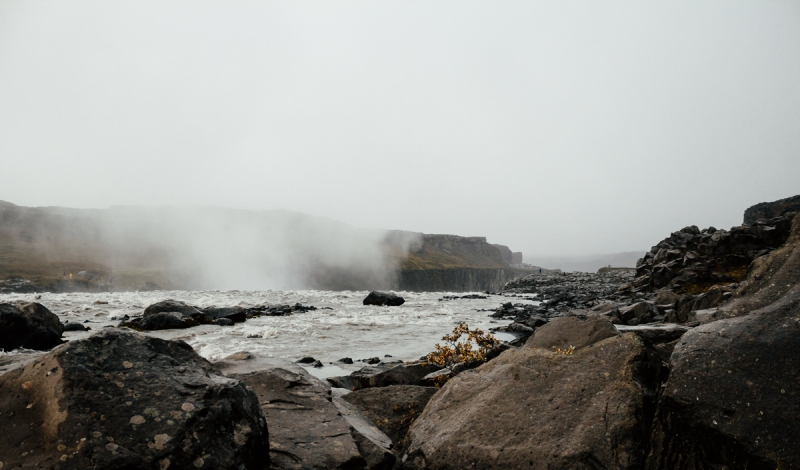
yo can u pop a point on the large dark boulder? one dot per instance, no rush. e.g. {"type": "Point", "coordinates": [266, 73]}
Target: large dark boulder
{"type": "Point", "coordinates": [167, 321]}
{"type": "Point", "coordinates": [121, 400]}
{"type": "Point", "coordinates": [307, 431]}
{"type": "Point", "coordinates": [173, 314]}
{"type": "Point", "coordinates": [28, 325]}
{"type": "Point", "coordinates": [535, 408]}
{"type": "Point", "coordinates": [733, 392]}
{"type": "Point", "coordinates": [383, 298]}
{"type": "Point", "coordinates": [235, 314]}
{"type": "Point", "coordinates": [173, 306]}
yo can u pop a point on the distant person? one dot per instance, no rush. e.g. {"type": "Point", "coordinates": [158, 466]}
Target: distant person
{"type": "Point", "coordinates": [540, 270]}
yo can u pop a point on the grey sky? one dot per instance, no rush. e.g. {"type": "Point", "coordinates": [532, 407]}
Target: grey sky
{"type": "Point", "coordinates": [552, 127]}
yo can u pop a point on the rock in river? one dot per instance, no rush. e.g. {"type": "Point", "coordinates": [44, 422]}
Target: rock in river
{"type": "Point", "coordinates": [28, 325]}
{"type": "Point", "coordinates": [383, 298]}
{"type": "Point", "coordinates": [122, 400]}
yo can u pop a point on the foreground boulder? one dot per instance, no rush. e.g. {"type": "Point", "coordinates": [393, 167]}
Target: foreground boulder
{"type": "Point", "coordinates": [307, 431]}
{"type": "Point", "coordinates": [121, 400]}
{"type": "Point", "coordinates": [535, 408]}
{"type": "Point", "coordinates": [733, 393]}
{"type": "Point", "coordinates": [732, 397]}
{"type": "Point", "coordinates": [383, 298]}
{"type": "Point", "coordinates": [28, 325]}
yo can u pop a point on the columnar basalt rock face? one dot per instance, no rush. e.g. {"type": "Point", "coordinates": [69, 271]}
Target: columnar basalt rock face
{"type": "Point", "coordinates": [456, 279]}
{"type": "Point", "coordinates": [121, 400]}
{"type": "Point", "coordinates": [536, 408]}
{"type": "Point", "coordinates": [691, 261]}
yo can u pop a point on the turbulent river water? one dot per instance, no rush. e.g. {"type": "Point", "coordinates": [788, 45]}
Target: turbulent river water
{"type": "Point", "coordinates": [345, 329]}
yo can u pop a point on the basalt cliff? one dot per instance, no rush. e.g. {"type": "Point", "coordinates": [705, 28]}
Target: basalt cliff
{"type": "Point", "coordinates": [53, 249]}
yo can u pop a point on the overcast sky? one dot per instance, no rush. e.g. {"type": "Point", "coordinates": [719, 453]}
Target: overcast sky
{"type": "Point", "coordinates": [552, 127]}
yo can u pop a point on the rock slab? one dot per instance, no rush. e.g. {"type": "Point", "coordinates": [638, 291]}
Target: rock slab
{"type": "Point", "coordinates": [393, 409]}
{"type": "Point", "coordinates": [307, 431]}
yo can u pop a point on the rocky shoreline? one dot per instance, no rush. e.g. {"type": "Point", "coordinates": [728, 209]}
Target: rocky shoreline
{"type": "Point", "coordinates": [689, 362]}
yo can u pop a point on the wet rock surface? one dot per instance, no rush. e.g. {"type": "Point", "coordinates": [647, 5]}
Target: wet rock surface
{"type": "Point", "coordinates": [173, 314]}
{"type": "Point", "coordinates": [121, 400]}
{"type": "Point", "coordinates": [28, 325]}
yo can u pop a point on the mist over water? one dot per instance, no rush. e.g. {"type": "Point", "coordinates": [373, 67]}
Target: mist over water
{"type": "Point", "coordinates": [193, 247]}
{"type": "Point", "coordinates": [218, 248]}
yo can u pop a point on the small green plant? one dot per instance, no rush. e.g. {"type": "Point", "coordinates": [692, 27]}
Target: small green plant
{"type": "Point", "coordinates": [462, 345]}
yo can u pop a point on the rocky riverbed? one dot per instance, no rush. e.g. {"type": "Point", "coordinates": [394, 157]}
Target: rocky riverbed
{"type": "Point", "coordinates": [606, 370]}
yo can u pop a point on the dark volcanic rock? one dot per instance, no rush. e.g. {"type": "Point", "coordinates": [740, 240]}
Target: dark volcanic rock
{"type": "Point", "coordinates": [638, 313]}
{"type": "Point", "coordinates": [166, 321]}
{"type": "Point", "coordinates": [571, 290]}
{"type": "Point", "coordinates": [28, 325]}
{"type": "Point", "coordinates": [383, 298]}
{"type": "Point", "coordinates": [235, 314]}
{"type": "Point", "coordinates": [121, 400]}
{"type": "Point", "coordinates": [691, 261]}
{"type": "Point", "coordinates": [306, 429]}
{"type": "Point", "coordinates": [173, 314]}
{"type": "Point", "coordinates": [534, 408]}
{"type": "Point", "coordinates": [392, 408]}
{"type": "Point", "coordinates": [173, 306]}
{"type": "Point", "coordinates": [770, 210]}
{"type": "Point", "coordinates": [733, 394]}
{"type": "Point", "coordinates": [402, 374]}
{"type": "Point", "coordinates": [73, 326]}
{"type": "Point", "coordinates": [734, 388]}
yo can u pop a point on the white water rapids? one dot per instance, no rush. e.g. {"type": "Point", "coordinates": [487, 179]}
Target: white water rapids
{"type": "Point", "coordinates": [347, 329]}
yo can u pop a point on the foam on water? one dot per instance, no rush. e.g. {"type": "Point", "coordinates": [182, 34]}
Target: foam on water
{"type": "Point", "coordinates": [347, 329]}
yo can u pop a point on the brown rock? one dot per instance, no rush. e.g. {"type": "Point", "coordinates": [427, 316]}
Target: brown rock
{"type": "Point", "coordinates": [571, 331]}
{"type": "Point", "coordinates": [307, 431]}
{"type": "Point", "coordinates": [533, 408]}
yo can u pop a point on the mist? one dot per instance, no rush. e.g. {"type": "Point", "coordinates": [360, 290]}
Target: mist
{"type": "Point", "coordinates": [556, 128]}
{"type": "Point", "coordinates": [196, 247]}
